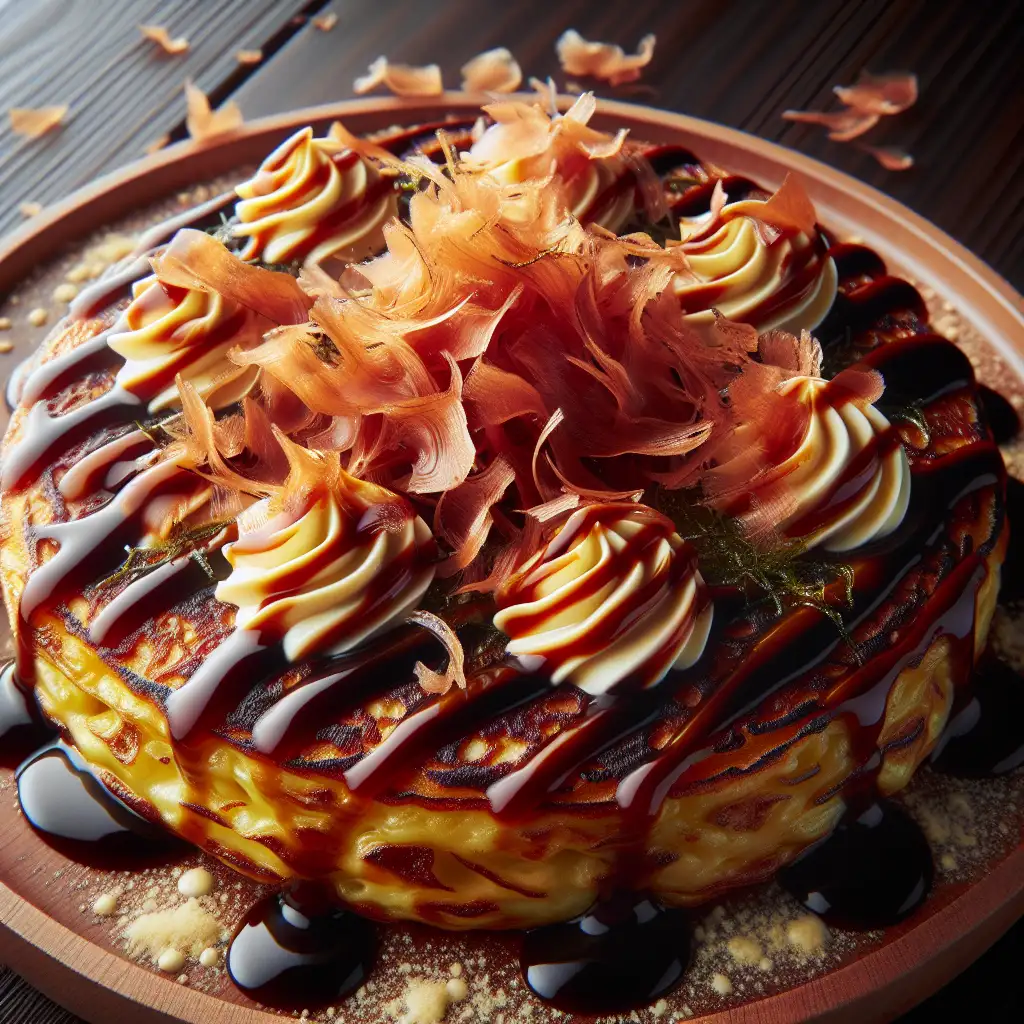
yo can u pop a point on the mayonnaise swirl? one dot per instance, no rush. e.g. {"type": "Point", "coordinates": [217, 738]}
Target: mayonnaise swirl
{"type": "Point", "coordinates": [848, 481]}
{"type": "Point", "coordinates": [788, 284]}
{"type": "Point", "coordinates": [614, 598]}
{"type": "Point", "coordinates": [323, 581]}
{"type": "Point", "coordinates": [524, 145]}
{"type": "Point", "coordinates": [596, 191]}
{"type": "Point", "coordinates": [310, 199]}
{"type": "Point", "coordinates": [167, 330]}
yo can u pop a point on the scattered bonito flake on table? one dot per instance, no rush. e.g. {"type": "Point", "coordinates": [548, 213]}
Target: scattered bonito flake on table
{"type": "Point", "coordinates": [842, 125]}
{"type": "Point", "coordinates": [30, 209]}
{"type": "Point", "coordinates": [159, 35]}
{"type": "Point", "coordinates": [202, 122]}
{"type": "Point", "coordinates": [325, 22]}
{"type": "Point", "coordinates": [248, 56]}
{"type": "Point", "coordinates": [607, 61]}
{"type": "Point", "coordinates": [492, 71]}
{"type": "Point", "coordinates": [32, 122]}
{"type": "Point", "coordinates": [867, 101]}
{"type": "Point", "coordinates": [887, 94]}
{"type": "Point", "coordinates": [401, 79]}
{"type": "Point", "coordinates": [892, 158]}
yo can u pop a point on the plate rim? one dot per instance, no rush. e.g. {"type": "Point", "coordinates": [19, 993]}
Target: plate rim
{"type": "Point", "coordinates": [51, 955]}
{"type": "Point", "coordinates": [450, 101]}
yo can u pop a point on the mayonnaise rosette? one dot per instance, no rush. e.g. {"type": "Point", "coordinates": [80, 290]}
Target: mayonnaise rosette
{"type": "Point", "coordinates": [749, 270]}
{"type": "Point", "coordinates": [313, 198]}
{"type": "Point", "coordinates": [585, 165]}
{"type": "Point", "coordinates": [844, 480]}
{"type": "Point", "coordinates": [350, 562]}
{"type": "Point", "coordinates": [168, 330]}
{"type": "Point", "coordinates": [615, 599]}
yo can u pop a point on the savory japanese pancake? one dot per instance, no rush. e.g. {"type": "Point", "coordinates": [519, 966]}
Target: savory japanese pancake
{"type": "Point", "coordinates": [608, 526]}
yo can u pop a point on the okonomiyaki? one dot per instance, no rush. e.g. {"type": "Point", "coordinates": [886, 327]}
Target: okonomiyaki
{"type": "Point", "coordinates": [481, 518]}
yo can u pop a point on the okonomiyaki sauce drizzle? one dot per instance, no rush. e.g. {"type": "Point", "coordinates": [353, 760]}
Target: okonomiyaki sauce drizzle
{"type": "Point", "coordinates": [1011, 586]}
{"type": "Point", "coordinates": [299, 948]}
{"type": "Point", "coordinates": [873, 871]}
{"type": "Point", "coordinates": [625, 952]}
{"type": "Point", "coordinates": [983, 736]}
{"type": "Point", "coordinates": [257, 648]}
{"type": "Point", "coordinates": [78, 816]}
{"type": "Point", "coordinates": [22, 726]}
{"type": "Point", "coordinates": [93, 547]}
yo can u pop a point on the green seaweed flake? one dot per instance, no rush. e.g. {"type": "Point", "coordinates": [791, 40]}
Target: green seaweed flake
{"type": "Point", "coordinates": [777, 572]}
{"type": "Point", "coordinates": [324, 349]}
{"type": "Point", "coordinates": [660, 232]}
{"type": "Point", "coordinates": [140, 562]}
{"type": "Point", "coordinates": [912, 414]}
{"type": "Point", "coordinates": [543, 254]}
{"type": "Point", "coordinates": [156, 430]}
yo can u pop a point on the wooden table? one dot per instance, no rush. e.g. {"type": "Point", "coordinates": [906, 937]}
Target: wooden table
{"type": "Point", "coordinates": [740, 63]}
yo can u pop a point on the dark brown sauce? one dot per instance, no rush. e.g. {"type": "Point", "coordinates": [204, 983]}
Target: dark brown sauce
{"type": "Point", "coordinates": [489, 694]}
{"type": "Point", "coordinates": [854, 262]}
{"type": "Point", "coordinates": [622, 954]}
{"type": "Point", "coordinates": [116, 284]}
{"type": "Point", "coordinates": [920, 370]}
{"type": "Point", "coordinates": [666, 158]}
{"type": "Point", "coordinates": [78, 816]}
{"type": "Point", "coordinates": [873, 871]}
{"type": "Point", "coordinates": [1011, 583]}
{"type": "Point", "coordinates": [220, 682]}
{"type": "Point", "coordinates": [248, 656]}
{"type": "Point", "coordinates": [144, 599]}
{"type": "Point", "coordinates": [875, 306]}
{"type": "Point", "coordinates": [23, 730]}
{"type": "Point", "coordinates": [45, 438]}
{"type": "Point", "coordinates": [985, 737]}
{"type": "Point", "coordinates": [608, 720]}
{"type": "Point", "coordinates": [785, 654]}
{"type": "Point", "coordinates": [299, 949]}
{"type": "Point", "coordinates": [90, 548]}
{"type": "Point", "coordinates": [1003, 420]}
{"type": "Point", "coordinates": [51, 377]}
{"type": "Point", "coordinates": [340, 684]}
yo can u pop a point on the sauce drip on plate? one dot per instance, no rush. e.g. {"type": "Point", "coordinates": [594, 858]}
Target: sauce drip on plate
{"type": "Point", "coordinates": [623, 953]}
{"type": "Point", "coordinates": [873, 871]}
{"type": "Point", "coordinates": [22, 728]}
{"type": "Point", "coordinates": [984, 737]}
{"type": "Point", "coordinates": [300, 948]}
{"type": "Point", "coordinates": [78, 816]}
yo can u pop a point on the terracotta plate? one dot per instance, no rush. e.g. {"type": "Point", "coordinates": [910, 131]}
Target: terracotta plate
{"type": "Point", "coordinates": [61, 953]}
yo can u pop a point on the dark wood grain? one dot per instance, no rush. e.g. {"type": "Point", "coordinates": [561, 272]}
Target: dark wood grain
{"type": "Point", "coordinates": [20, 1003]}
{"type": "Point", "coordinates": [740, 63]}
{"type": "Point", "coordinates": [734, 61]}
{"type": "Point", "coordinates": [123, 90]}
